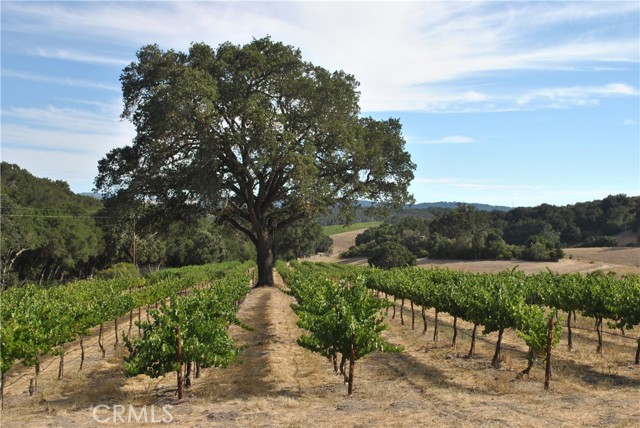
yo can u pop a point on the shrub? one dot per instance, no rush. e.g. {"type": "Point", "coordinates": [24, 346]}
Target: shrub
{"type": "Point", "coordinates": [118, 270]}
{"type": "Point", "coordinates": [390, 255]}
{"type": "Point", "coordinates": [600, 241]}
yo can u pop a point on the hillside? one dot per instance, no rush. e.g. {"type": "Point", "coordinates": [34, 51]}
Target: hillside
{"type": "Point", "coordinates": [453, 205]}
{"type": "Point", "coordinates": [621, 260]}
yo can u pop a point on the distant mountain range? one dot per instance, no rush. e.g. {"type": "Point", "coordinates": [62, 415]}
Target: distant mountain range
{"type": "Point", "coordinates": [92, 195]}
{"type": "Point", "coordinates": [423, 205]}
{"type": "Point", "coordinates": [448, 205]}
{"type": "Point", "coordinates": [452, 205]}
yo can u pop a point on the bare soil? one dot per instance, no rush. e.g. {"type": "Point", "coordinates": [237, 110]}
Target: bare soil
{"type": "Point", "coordinates": [279, 384]}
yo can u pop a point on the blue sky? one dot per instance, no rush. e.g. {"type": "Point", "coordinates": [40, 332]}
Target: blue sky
{"type": "Point", "coordinates": [506, 103]}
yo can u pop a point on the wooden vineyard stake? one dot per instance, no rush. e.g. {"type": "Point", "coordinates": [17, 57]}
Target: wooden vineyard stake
{"type": "Point", "coordinates": [547, 372]}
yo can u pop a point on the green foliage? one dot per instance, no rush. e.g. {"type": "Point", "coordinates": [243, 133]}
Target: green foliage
{"type": "Point", "coordinates": [537, 233]}
{"type": "Point", "coordinates": [202, 318]}
{"type": "Point", "coordinates": [196, 243]}
{"type": "Point", "coordinates": [301, 239]}
{"type": "Point", "coordinates": [119, 270]}
{"type": "Point", "coordinates": [264, 139]}
{"type": "Point", "coordinates": [340, 316]}
{"type": "Point", "coordinates": [48, 232]}
{"type": "Point", "coordinates": [35, 321]}
{"type": "Point", "coordinates": [532, 326]}
{"type": "Point", "coordinates": [391, 255]}
{"type": "Point", "coordinates": [600, 241]}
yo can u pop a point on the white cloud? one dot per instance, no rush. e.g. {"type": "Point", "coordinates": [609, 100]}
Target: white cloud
{"type": "Point", "coordinates": [63, 143]}
{"type": "Point", "coordinates": [576, 95]}
{"type": "Point", "coordinates": [401, 52]}
{"type": "Point", "coordinates": [24, 75]}
{"type": "Point", "coordinates": [71, 55]}
{"type": "Point", "coordinates": [69, 119]}
{"type": "Point", "coordinates": [630, 122]}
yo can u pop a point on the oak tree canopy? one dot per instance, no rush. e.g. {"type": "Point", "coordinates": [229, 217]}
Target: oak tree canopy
{"type": "Point", "coordinates": [254, 135]}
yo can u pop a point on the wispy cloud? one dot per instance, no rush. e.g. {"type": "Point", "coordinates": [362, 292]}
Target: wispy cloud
{"type": "Point", "coordinates": [576, 95]}
{"type": "Point", "coordinates": [630, 122]}
{"type": "Point", "coordinates": [403, 56]}
{"type": "Point", "coordinates": [63, 143]}
{"type": "Point", "coordinates": [70, 119]}
{"type": "Point", "coordinates": [65, 129]}
{"type": "Point", "coordinates": [441, 99]}
{"type": "Point", "coordinates": [76, 56]}
{"type": "Point", "coordinates": [24, 75]}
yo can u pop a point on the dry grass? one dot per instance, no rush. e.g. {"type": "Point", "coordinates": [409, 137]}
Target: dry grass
{"type": "Point", "coordinates": [279, 384]}
{"type": "Point", "coordinates": [621, 260]}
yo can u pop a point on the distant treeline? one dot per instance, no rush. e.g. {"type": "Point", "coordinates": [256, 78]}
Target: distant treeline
{"type": "Point", "coordinates": [51, 235]}
{"type": "Point", "coordinates": [537, 233]}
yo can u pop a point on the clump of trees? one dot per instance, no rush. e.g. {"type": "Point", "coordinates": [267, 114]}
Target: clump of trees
{"type": "Point", "coordinates": [538, 233]}
{"type": "Point", "coordinates": [51, 235]}
{"type": "Point", "coordinates": [391, 255]}
{"type": "Point", "coordinates": [48, 232]}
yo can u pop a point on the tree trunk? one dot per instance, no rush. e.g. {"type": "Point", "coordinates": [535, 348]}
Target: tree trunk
{"type": "Point", "coordinates": [265, 260]}
{"type": "Point", "coordinates": [547, 371]}
{"type": "Point", "coordinates": [179, 358]}
{"type": "Point", "coordinates": [35, 379]}
{"type": "Point", "coordinates": [569, 334]}
{"type": "Point", "coordinates": [401, 312]}
{"type": "Point", "coordinates": [435, 327]}
{"type": "Point", "coordinates": [472, 349]}
{"type": "Point", "coordinates": [352, 364]}
{"type": "Point", "coordinates": [61, 366]}
{"type": "Point", "coordinates": [394, 308]}
{"type": "Point", "coordinates": [115, 329]}
{"type": "Point", "coordinates": [495, 362]}
{"type": "Point", "coordinates": [455, 331]}
{"type": "Point", "coordinates": [81, 352]}
{"type": "Point", "coordinates": [529, 363]}
{"type": "Point", "coordinates": [343, 361]}
{"type": "Point", "coordinates": [197, 369]}
{"type": "Point", "coordinates": [424, 320]}
{"type": "Point", "coordinates": [6, 267]}
{"type": "Point", "coordinates": [413, 317]}
{"type": "Point", "coordinates": [637, 361]}
{"type": "Point", "coordinates": [100, 344]}
{"type": "Point", "coordinates": [599, 331]}
{"type": "Point", "coordinates": [187, 376]}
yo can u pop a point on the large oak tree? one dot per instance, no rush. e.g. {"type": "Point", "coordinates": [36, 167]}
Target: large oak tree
{"type": "Point", "coordinates": [254, 135]}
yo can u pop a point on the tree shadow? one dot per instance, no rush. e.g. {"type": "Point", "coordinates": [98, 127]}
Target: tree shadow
{"type": "Point", "coordinates": [593, 377]}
